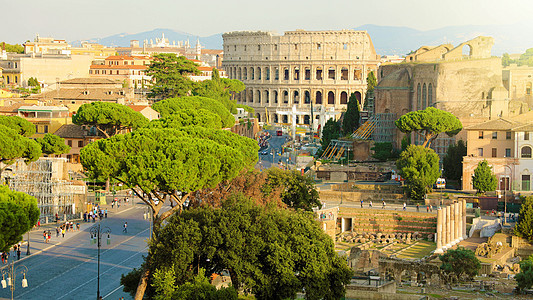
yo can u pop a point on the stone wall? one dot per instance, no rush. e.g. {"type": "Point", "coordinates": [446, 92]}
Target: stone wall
{"type": "Point", "coordinates": [523, 248]}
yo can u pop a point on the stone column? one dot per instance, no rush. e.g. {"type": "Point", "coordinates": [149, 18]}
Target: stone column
{"type": "Point", "coordinates": [448, 227]}
{"type": "Point", "coordinates": [452, 224]}
{"type": "Point", "coordinates": [439, 231]}
{"type": "Point", "coordinates": [465, 236]}
{"type": "Point", "coordinates": [458, 222]}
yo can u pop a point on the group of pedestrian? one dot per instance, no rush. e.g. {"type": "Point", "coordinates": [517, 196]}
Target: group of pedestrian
{"type": "Point", "coordinates": [46, 236]}
{"type": "Point", "coordinates": [16, 252]}
{"type": "Point", "coordinates": [95, 213]}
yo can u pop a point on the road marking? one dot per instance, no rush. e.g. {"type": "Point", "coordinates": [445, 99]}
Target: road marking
{"type": "Point", "coordinates": [102, 273]}
{"type": "Point", "coordinates": [87, 260]}
{"type": "Point", "coordinates": [112, 292]}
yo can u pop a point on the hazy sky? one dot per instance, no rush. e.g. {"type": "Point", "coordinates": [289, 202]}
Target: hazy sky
{"type": "Point", "coordinates": [84, 19]}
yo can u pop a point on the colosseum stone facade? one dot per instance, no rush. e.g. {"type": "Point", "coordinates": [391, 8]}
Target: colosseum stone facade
{"type": "Point", "coordinates": [287, 76]}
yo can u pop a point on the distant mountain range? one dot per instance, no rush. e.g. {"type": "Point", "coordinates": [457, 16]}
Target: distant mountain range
{"type": "Point", "coordinates": [388, 40]}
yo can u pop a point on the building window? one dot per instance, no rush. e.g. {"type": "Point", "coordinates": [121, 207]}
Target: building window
{"type": "Point", "coordinates": [526, 182]}
{"type": "Point", "coordinates": [507, 152]}
{"type": "Point", "coordinates": [318, 74]}
{"type": "Point", "coordinates": [286, 74]}
{"type": "Point", "coordinates": [495, 135]}
{"type": "Point", "coordinates": [331, 73]}
{"type": "Point", "coordinates": [345, 46]}
{"type": "Point", "coordinates": [69, 143]}
{"type": "Point", "coordinates": [526, 152]}
{"type": "Point", "coordinates": [480, 152]}
{"type": "Point", "coordinates": [526, 136]}
{"type": "Point", "coordinates": [318, 47]}
{"type": "Point", "coordinates": [307, 74]}
{"type": "Point", "coordinates": [508, 135]}
{"type": "Point", "coordinates": [481, 135]}
{"type": "Point", "coordinates": [494, 152]}
{"type": "Point", "coordinates": [80, 144]}
{"type": "Point", "coordinates": [45, 128]}
{"type": "Point", "coordinates": [36, 127]}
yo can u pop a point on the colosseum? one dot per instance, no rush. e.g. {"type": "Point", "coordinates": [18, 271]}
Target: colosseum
{"type": "Point", "coordinates": [301, 77]}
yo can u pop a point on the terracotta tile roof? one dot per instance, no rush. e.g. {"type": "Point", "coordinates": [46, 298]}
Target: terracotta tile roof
{"type": "Point", "coordinates": [212, 51]}
{"type": "Point", "coordinates": [120, 67]}
{"type": "Point", "coordinates": [71, 131]}
{"type": "Point", "coordinates": [138, 108]}
{"type": "Point", "coordinates": [89, 81]}
{"type": "Point", "coordinates": [205, 68]}
{"type": "Point", "coordinates": [498, 124]}
{"type": "Point", "coordinates": [120, 57]}
{"type": "Point", "coordinates": [13, 108]}
{"type": "Point", "coordinates": [94, 94]}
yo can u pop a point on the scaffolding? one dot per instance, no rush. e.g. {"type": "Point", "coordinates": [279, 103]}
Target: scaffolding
{"type": "Point", "coordinates": [42, 180]}
{"type": "Point", "coordinates": [385, 128]}
{"type": "Point", "coordinates": [364, 132]}
{"type": "Point", "coordinates": [337, 149]}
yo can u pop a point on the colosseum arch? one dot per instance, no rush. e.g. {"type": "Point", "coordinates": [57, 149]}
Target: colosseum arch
{"type": "Point", "coordinates": [296, 97]}
{"type": "Point", "coordinates": [331, 97]}
{"type": "Point", "coordinates": [307, 97]}
{"type": "Point", "coordinates": [318, 73]}
{"type": "Point", "coordinates": [296, 73]}
{"type": "Point", "coordinates": [266, 96]}
{"type": "Point", "coordinates": [240, 73]}
{"type": "Point", "coordinates": [359, 98]}
{"type": "Point", "coordinates": [258, 96]}
{"type": "Point", "coordinates": [276, 97]}
{"type": "Point", "coordinates": [252, 77]}
{"type": "Point", "coordinates": [318, 97]}
{"type": "Point", "coordinates": [467, 50]}
{"type": "Point", "coordinates": [267, 73]}
{"type": "Point", "coordinates": [245, 75]}
{"type": "Point", "coordinates": [258, 115]}
{"type": "Point", "coordinates": [344, 97]}
{"type": "Point", "coordinates": [250, 95]}
{"type": "Point", "coordinates": [285, 96]}
{"type": "Point", "coordinates": [258, 73]}
{"type": "Point", "coordinates": [344, 73]}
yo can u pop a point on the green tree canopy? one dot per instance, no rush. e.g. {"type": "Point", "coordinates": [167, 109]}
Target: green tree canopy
{"type": "Point", "coordinates": [221, 89]}
{"type": "Point", "coordinates": [371, 82]}
{"type": "Point", "coordinates": [459, 263]}
{"type": "Point", "coordinates": [16, 48]}
{"type": "Point", "coordinates": [170, 75]}
{"type": "Point", "coordinates": [483, 180]}
{"type": "Point", "coordinates": [384, 151]}
{"type": "Point", "coordinates": [525, 277]}
{"type": "Point", "coordinates": [265, 249]}
{"type": "Point", "coordinates": [14, 146]}
{"type": "Point", "coordinates": [188, 117]}
{"type": "Point", "coordinates": [330, 132]}
{"type": "Point", "coordinates": [20, 125]}
{"type": "Point", "coordinates": [164, 166]}
{"type": "Point", "coordinates": [109, 118]}
{"type": "Point", "coordinates": [297, 191]}
{"type": "Point", "coordinates": [169, 106]}
{"type": "Point", "coordinates": [420, 168]}
{"type": "Point", "coordinates": [453, 161]}
{"type": "Point", "coordinates": [350, 121]}
{"type": "Point", "coordinates": [524, 226]}
{"type": "Point", "coordinates": [52, 144]}
{"type": "Point", "coordinates": [18, 214]}
{"type": "Point", "coordinates": [428, 123]}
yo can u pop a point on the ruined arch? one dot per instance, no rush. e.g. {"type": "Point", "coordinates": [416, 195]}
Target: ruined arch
{"type": "Point", "coordinates": [418, 97]}
{"type": "Point", "coordinates": [258, 73]}
{"type": "Point", "coordinates": [267, 96]}
{"type": "Point", "coordinates": [467, 50]}
{"type": "Point", "coordinates": [258, 94]}
{"type": "Point", "coordinates": [424, 96]}
{"type": "Point", "coordinates": [430, 95]}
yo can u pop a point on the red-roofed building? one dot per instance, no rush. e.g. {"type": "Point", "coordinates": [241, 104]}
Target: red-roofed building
{"type": "Point", "coordinates": [146, 111]}
{"type": "Point", "coordinates": [128, 69]}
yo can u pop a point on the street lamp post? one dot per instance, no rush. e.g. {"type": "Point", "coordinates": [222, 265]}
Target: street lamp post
{"type": "Point", "coordinates": [96, 237]}
{"type": "Point", "coordinates": [28, 249]}
{"type": "Point", "coordinates": [11, 273]}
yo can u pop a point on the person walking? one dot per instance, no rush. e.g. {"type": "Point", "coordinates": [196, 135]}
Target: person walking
{"type": "Point", "coordinates": [370, 204]}
{"type": "Point", "coordinates": [44, 236]}
{"type": "Point", "coordinates": [417, 207]}
{"type": "Point", "coordinates": [361, 203]}
{"type": "Point", "coordinates": [404, 206]}
{"type": "Point", "coordinates": [63, 231]}
{"type": "Point", "coordinates": [383, 203]}
{"type": "Point", "coordinates": [18, 253]}
{"type": "Point", "coordinates": [106, 213]}
{"type": "Point", "coordinates": [125, 230]}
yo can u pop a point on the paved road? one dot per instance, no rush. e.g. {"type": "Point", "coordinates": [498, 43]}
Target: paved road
{"type": "Point", "coordinates": [273, 150]}
{"type": "Point", "coordinates": [67, 268]}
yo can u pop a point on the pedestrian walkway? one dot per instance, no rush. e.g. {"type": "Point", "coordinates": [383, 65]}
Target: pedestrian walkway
{"type": "Point", "coordinates": [38, 244]}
